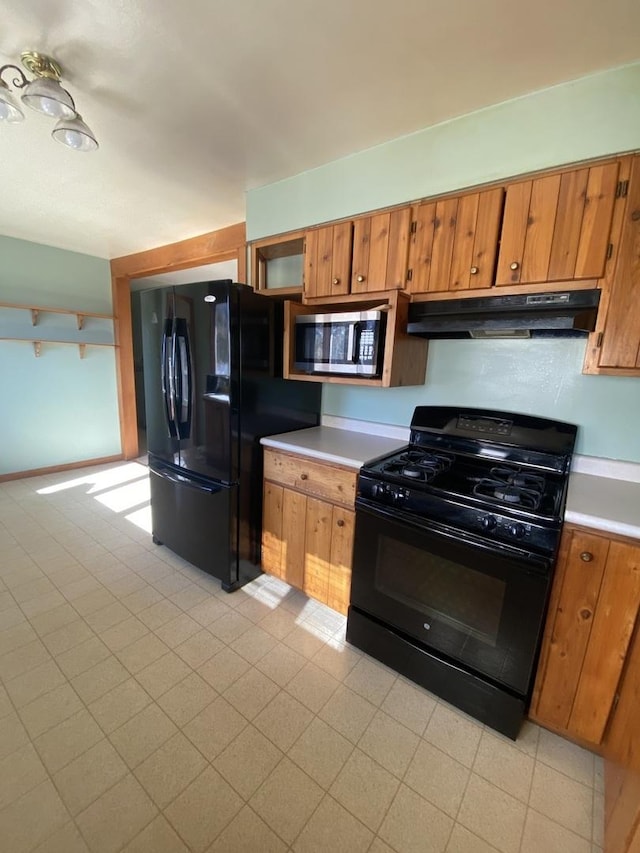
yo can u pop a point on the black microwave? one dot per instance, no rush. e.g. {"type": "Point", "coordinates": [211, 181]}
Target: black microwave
{"type": "Point", "coordinates": [346, 342]}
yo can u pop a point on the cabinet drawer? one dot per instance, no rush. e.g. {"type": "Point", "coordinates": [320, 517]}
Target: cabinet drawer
{"type": "Point", "coordinates": [334, 484]}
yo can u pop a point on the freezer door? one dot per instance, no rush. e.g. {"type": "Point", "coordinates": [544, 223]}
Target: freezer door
{"type": "Point", "coordinates": [196, 520]}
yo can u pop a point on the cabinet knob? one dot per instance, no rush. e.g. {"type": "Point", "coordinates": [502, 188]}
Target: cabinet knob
{"type": "Point", "coordinates": [586, 556]}
{"type": "Point", "coordinates": [336, 281]}
{"type": "Point", "coordinates": [359, 278]}
{"type": "Point", "coordinates": [514, 265]}
{"type": "Point", "coordinates": [474, 270]}
{"type": "Point", "coordinates": [304, 476]}
{"type": "Point", "coordinates": [340, 522]}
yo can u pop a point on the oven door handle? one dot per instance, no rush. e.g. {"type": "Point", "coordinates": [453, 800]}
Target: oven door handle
{"type": "Point", "coordinates": [534, 562]}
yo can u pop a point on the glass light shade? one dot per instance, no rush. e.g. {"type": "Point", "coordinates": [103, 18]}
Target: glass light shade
{"type": "Point", "coordinates": [9, 109]}
{"type": "Point", "coordinates": [74, 133]}
{"type": "Point", "coordinates": [47, 96]}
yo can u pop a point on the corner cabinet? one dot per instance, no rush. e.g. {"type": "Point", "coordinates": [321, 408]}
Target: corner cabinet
{"type": "Point", "coordinates": [587, 645]}
{"type": "Point", "coordinates": [308, 525]}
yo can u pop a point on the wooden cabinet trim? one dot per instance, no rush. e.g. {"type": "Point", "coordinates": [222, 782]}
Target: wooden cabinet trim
{"type": "Point", "coordinates": [311, 476]}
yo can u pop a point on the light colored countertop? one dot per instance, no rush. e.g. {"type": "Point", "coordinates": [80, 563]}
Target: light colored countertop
{"type": "Point", "coordinates": [596, 501]}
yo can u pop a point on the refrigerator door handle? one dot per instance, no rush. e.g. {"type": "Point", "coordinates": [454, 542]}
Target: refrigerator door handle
{"type": "Point", "coordinates": [168, 380]}
{"type": "Point", "coordinates": [182, 381]}
{"type": "Point", "coordinates": [177, 480]}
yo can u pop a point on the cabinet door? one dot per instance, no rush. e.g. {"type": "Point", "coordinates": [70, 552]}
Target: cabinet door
{"type": "Point", "coordinates": [327, 260]}
{"type": "Point", "coordinates": [380, 251]}
{"type": "Point", "coordinates": [272, 530]}
{"type": "Point", "coordinates": [556, 228]}
{"type": "Point", "coordinates": [343, 525]}
{"type": "Point", "coordinates": [621, 336]}
{"type": "Point", "coordinates": [317, 546]}
{"type": "Point", "coordinates": [294, 512]}
{"type": "Point", "coordinates": [454, 242]}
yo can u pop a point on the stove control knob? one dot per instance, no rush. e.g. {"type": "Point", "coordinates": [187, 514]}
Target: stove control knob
{"type": "Point", "coordinates": [488, 522]}
{"type": "Point", "coordinates": [516, 530]}
{"type": "Point", "coordinates": [377, 490]}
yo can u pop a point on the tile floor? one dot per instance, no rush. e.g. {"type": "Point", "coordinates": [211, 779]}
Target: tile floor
{"type": "Point", "coordinates": [143, 709]}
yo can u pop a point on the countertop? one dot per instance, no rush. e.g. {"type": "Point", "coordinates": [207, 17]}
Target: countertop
{"type": "Point", "coordinates": [342, 446]}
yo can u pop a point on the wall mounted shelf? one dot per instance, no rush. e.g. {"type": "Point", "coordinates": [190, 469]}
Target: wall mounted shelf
{"type": "Point", "coordinates": [36, 310]}
{"type": "Point", "coordinates": [37, 344]}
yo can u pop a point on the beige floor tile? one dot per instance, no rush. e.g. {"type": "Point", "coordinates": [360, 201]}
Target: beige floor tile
{"type": "Point", "coordinates": [215, 727]}
{"type": "Point", "coordinates": [142, 735]}
{"type": "Point", "coordinates": [158, 837]}
{"type": "Point", "coordinates": [208, 611]}
{"type": "Point", "coordinates": [283, 720]}
{"type": "Point", "coordinates": [141, 599]}
{"type": "Point", "coordinates": [30, 819]}
{"type": "Point", "coordinates": [414, 826]}
{"type": "Point", "coordinates": [279, 623]}
{"type": "Point", "coordinates": [379, 846]}
{"type": "Point", "coordinates": [365, 789]}
{"type": "Point", "coordinates": [312, 686]}
{"type": "Point", "coordinates": [21, 660]}
{"type": "Point", "coordinates": [79, 588]}
{"type": "Point", "coordinates": [107, 617]}
{"type": "Point", "coordinates": [251, 693]}
{"type": "Point", "coordinates": [281, 664]}
{"type": "Point", "coordinates": [189, 597]}
{"type": "Point", "coordinates": [67, 637]}
{"type": "Point", "coordinates": [493, 815]}
{"type": "Point", "coordinates": [178, 630]}
{"type": "Point", "coordinates": [338, 659]}
{"type": "Point", "coordinates": [254, 644]}
{"type": "Point", "coordinates": [32, 589]}
{"type": "Point", "coordinates": [124, 633]}
{"type": "Point", "coordinates": [6, 706]}
{"type": "Point", "coordinates": [11, 617]}
{"type": "Point", "coordinates": [464, 841]}
{"type": "Point", "coordinates": [304, 640]}
{"type": "Point", "coordinates": [223, 669]}
{"type": "Point", "coordinates": [286, 800]}
{"type": "Point", "coordinates": [505, 765]}
{"type": "Point", "coordinates": [438, 778]}
{"type": "Point", "coordinates": [410, 705]}
{"type": "Point", "coordinates": [116, 817]}
{"type": "Point", "coordinates": [187, 699]}
{"type": "Point", "coordinates": [192, 814]}
{"type": "Point", "coordinates": [42, 604]}
{"type": "Point", "coordinates": [199, 648]}
{"type": "Point", "coordinates": [321, 752]}
{"type": "Point", "coordinates": [542, 834]}
{"type": "Point", "coordinates": [50, 709]}
{"type": "Point", "coordinates": [100, 679]}
{"type": "Point", "coordinates": [371, 680]}
{"type": "Point", "coordinates": [598, 819]}
{"type": "Point", "coordinates": [230, 626]}
{"type": "Point", "coordinates": [163, 674]}
{"type": "Point", "coordinates": [88, 776]}
{"type": "Point", "coordinates": [82, 657]}
{"type": "Point", "coordinates": [17, 636]}
{"type": "Point", "coordinates": [67, 839]}
{"type": "Point", "coordinates": [247, 832]}
{"type": "Point", "coordinates": [118, 705]}
{"type": "Point", "coordinates": [141, 653]}
{"type": "Point", "coordinates": [34, 683]}
{"type": "Point", "coordinates": [348, 713]}
{"type": "Point", "coordinates": [562, 799]}
{"type": "Point", "coordinates": [389, 743]}
{"type": "Point", "coordinates": [566, 757]}
{"type": "Point", "coordinates": [52, 620]}
{"type": "Point", "coordinates": [168, 771]}
{"type": "Point", "coordinates": [66, 741]}
{"type": "Point", "coordinates": [170, 583]}
{"type": "Point", "coordinates": [598, 775]}
{"type": "Point", "coordinates": [247, 761]}
{"type": "Point", "coordinates": [93, 601]}
{"type": "Point", "coordinates": [331, 827]}
{"type": "Point", "coordinates": [20, 771]}
{"type": "Point", "coordinates": [454, 733]}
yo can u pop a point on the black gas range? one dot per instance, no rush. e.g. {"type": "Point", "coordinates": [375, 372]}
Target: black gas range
{"type": "Point", "coordinates": [456, 540]}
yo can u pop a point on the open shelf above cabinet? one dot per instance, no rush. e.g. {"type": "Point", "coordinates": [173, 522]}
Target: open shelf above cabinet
{"type": "Point", "coordinates": [277, 264]}
{"type": "Point", "coordinates": [405, 356]}
{"type": "Point", "coordinates": [36, 310]}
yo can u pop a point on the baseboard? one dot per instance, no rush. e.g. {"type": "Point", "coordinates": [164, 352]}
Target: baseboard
{"type": "Point", "coordinates": [54, 469]}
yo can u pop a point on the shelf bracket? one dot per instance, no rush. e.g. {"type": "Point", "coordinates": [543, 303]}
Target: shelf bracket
{"type": "Point", "coordinates": [82, 349]}
{"type": "Point", "coordinates": [37, 347]}
{"type": "Point", "coordinates": [80, 321]}
{"type": "Point", "coordinates": [34, 316]}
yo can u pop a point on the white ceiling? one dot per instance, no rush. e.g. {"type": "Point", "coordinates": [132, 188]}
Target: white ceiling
{"type": "Point", "coordinates": [196, 102]}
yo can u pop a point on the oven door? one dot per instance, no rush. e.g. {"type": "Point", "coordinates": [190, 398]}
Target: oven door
{"type": "Point", "coordinates": [478, 605]}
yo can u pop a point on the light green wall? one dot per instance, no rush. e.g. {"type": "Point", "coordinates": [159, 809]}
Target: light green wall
{"type": "Point", "coordinates": [591, 117]}
{"type": "Point", "coordinates": [58, 408]}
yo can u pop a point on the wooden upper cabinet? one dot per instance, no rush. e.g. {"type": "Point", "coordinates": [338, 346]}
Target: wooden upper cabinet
{"type": "Point", "coordinates": [592, 614]}
{"type": "Point", "coordinates": [380, 251]}
{"type": "Point", "coordinates": [327, 260]}
{"type": "Point", "coordinates": [557, 227]}
{"type": "Point", "coordinates": [454, 242]}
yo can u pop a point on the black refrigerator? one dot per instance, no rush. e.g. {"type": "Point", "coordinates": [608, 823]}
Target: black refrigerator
{"type": "Point", "coordinates": [212, 365]}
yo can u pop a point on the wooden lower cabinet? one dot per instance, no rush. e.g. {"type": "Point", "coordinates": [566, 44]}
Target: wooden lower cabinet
{"type": "Point", "coordinates": [588, 656]}
{"type": "Point", "coordinates": [307, 540]}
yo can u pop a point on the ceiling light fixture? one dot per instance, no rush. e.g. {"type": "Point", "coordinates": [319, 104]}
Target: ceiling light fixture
{"type": "Point", "coordinates": [46, 95]}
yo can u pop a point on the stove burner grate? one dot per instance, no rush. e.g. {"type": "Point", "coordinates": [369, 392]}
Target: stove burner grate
{"type": "Point", "coordinates": [418, 465]}
{"type": "Point", "coordinates": [513, 487]}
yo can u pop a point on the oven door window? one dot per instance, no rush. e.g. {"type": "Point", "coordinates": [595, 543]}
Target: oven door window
{"type": "Point", "coordinates": [481, 609]}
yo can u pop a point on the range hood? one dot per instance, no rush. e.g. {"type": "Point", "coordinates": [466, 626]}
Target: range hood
{"type": "Point", "coordinates": [568, 313]}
